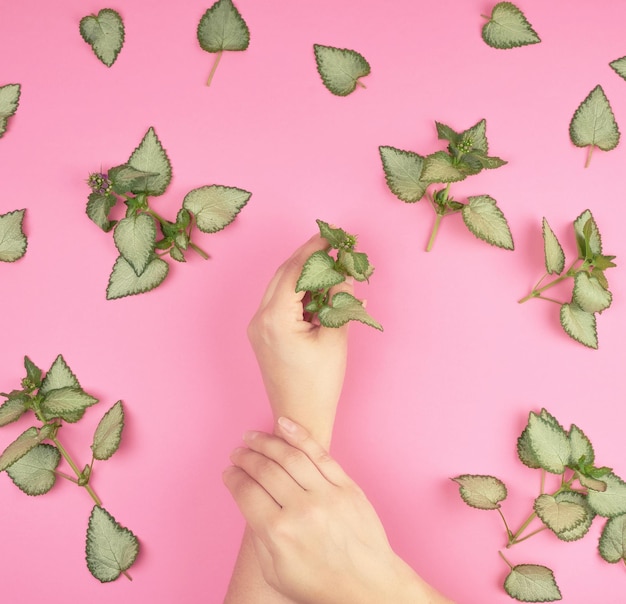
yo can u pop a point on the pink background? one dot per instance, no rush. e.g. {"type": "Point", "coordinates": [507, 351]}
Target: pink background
{"type": "Point", "coordinates": [447, 387]}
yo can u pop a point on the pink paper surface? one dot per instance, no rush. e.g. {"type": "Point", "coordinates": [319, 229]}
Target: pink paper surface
{"type": "Point", "coordinates": [445, 390]}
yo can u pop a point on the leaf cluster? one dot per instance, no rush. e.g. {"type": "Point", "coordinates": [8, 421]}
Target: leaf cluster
{"type": "Point", "coordinates": [9, 101]}
{"type": "Point", "coordinates": [143, 237]}
{"type": "Point", "coordinates": [585, 490]}
{"type": "Point", "coordinates": [409, 175]}
{"type": "Point", "coordinates": [31, 460]}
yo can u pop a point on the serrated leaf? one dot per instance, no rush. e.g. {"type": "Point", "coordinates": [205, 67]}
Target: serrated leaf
{"type": "Point", "coordinates": [447, 134]}
{"type": "Point", "coordinates": [11, 410]}
{"type": "Point", "coordinates": [13, 242]}
{"type": "Point", "coordinates": [318, 272]}
{"type": "Point", "coordinates": [593, 240]}
{"type": "Point", "coordinates": [525, 451]}
{"type": "Point", "coordinates": [9, 101]}
{"type": "Point", "coordinates": [559, 516]}
{"type": "Point", "coordinates": [356, 264]}
{"type": "Point", "coordinates": [601, 262]}
{"type": "Point", "coordinates": [177, 255]}
{"type": "Point", "coordinates": [612, 544]}
{"type": "Point", "coordinates": [337, 238]}
{"type": "Point", "coordinates": [487, 222]}
{"type": "Point", "coordinates": [439, 167]}
{"type": "Point", "coordinates": [583, 528]}
{"type": "Point", "coordinates": [98, 209]}
{"type": "Point", "coordinates": [580, 446]}
{"type": "Point", "coordinates": [532, 583]}
{"type": "Point", "coordinates": [549, 443]}
{"type": "Point", "coordinates": [26, 441]}
{"type": "Point", "coordinates": [134, 238]}
{"type": "Point", "coordinates": [340, 68]}
{"type": "Point", "coordinates": [59, 376]}
{"type": "Point", "coordinates": [508, 28]}
{"type": "Point", "coordinates": [490, 163]}
{"type": "Point", "coordinates": [34, 472]}
{"type": "Point", "coordinates": [125, 282]}
{"type": "Point", "coordinates": [403, 170]}
{"type": "Point", "coordinates": [108, 434]}
{"type": "Point", "coordinates": [215, 206]}
{"type": "Point", "coordinates": [67, 403]}
{"type": "Point", "coordinates": [579, 325]}
{"type": "Point", "coordinates": [476, 137]}
{"type": "Point", "coordinates": [589, 294]}
{"type": "Point", "coordinates": [593, 123]}
{"type": "Point", "coordinates": [345, 307]}
{"type": "Point", "coordinates": [111, 549]}
{"type": "Point", "coordinates": [481, 491]}
{"type": "Point", "coordinates": [150, 156]}
{"type": "Point", "coordinates": [619, 66]}
{"type": "Point", "coordinates": [553, 252]}
{"type": "Point", "coordinates": [125, 178]}
{"type": "Point", "coordinates": [591, 483]}
{"type": "Point", "coordinates": [222, 28]}
{"type": "Point", "coordinates": [104, 32]}
{"type": "Point", "coordinates": [612, 501]}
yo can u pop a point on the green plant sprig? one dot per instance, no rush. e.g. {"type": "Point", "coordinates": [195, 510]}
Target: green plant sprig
{"type": "Point", "coordinates": [31, 460]}
{"type": "Point", "coordinates": [144, 237]}
{"type": "Point", "coordinates": [590, 291]}
{"type": "Point", "coordinates": [409, 176]}
{"type": "Point", "coordinates": [322, 271]}
{"type": "Point", "coordinates": [584, 491]}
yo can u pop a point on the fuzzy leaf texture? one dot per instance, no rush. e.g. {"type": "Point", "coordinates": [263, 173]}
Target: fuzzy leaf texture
{"type": "Point", "coordinates": [553, 252]}
{"type": "Point", "coordinates": [612, 544]}
{"type": "Point", "coordinates": [345, 307]}
{"type": "Point", "coordinates": [13, 242]}
{"type": "Point", "coordinates": [58, 376]}
{"type": "Point", "coordinates": [559, 516]}
{"type": "Point", "coordinates": [34, 472]}
{"type": "Point", "coordinates": [111, 548]}
{"type": "Point", "coordinates": [619, 66]}
{"type": "Point", "coordinates": [481, 491]}
{"type": "Point", "coordinates": [439, 167]}
{"type": "Point", "coordinates": [579, 324]}
{"type": "Point", "coordinates": [612, 501]}
{"type": "Point", "coordinates": [549, 443]}
{"type": "Point", "coordinates": [589, 294]}
{"type": "Point", "coordinates": [9, 101]}
{"type": "Point", "coordinates": [67, 403]}
{"type": "Point", "coordinates": [222, 28]}
{"type": "Point", "coordinates": [508, 28]}
{"type": "Point", "coordinates": [134, 238]}
{"type": "Point", "coordinates": [403, 170]}
{"type": "Point", "coordinates": [487, 222]}
{"type": "Point", "coordinates": [125, 178]}
{"type": "Point", "coordinates": [125, 282]}
{"type": "Point", "coordinates": [318, 272]}
{"type": "Point", "coordinates": [108, 434]}
{"type": "Point", "coordinates": [532, 583]}
{"type": "Point", "coordinates": [150, 157]}
{"type": "Point", "coordinates": [215, 206]}
{"type": "Point", "coordinates": [579, 531]}
{"type": "Point", "coordinates": [340, 68]}
{"type": "Point", "coordinates": [104, 32]}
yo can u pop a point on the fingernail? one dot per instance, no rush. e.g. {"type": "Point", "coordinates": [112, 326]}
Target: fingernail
{"type": "Point", "coordinates": [287, 425]}
{"type": "Point", "coordinates": [250, 435]}
{"type": "Point", "coordinates": [236, 452]}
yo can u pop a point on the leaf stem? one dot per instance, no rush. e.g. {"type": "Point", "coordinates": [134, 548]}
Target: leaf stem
{"type": "Point", "coordinates": [508, 563]}
{"type": "Point", "coordinates": [520, 539]}
{"type": "Point", "coordinates": [199, 250]}
{"type": "Point", "coordinates": [516, 537]}
{"type": "Point", "coordinates": [359, 83]}
{"type": "Point", "coordinates": [215, 64]}
{"type": "Point", "coordinates": [434, 232]}
{"type": "Point", "coordinates": [509, 534]}
{"type": "Point", "coordinates": [589, 152]}
{"type": "Point", "coordinates": [537, 291]}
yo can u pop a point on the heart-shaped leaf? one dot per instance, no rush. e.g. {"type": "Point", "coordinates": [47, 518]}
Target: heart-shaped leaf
{"type": "Point", "coordinates": [104, 32]}
{"type": "Point", "coordinates": [403, 171]}
{"type": "Point", "coordinates": [340, 68]}
{"type": "Point", "coordinates": [487, 222]}
{"type": "Point", "coordinates": [134, 238]}
{"type": "Point", "coordinates": [508, 28]}
{"type": "Point", "coordinates": [34, 472]}
{"type": "Point", "coordinates": [215, 206]}
{"type": "Point", "coordinates": [345, 307]}
{"type": "Point", "coordinates": [318, 272]}
{"type": "Point", "coordinates": [532, 583]}
{"type": "Point", "coordinates": [480, 491]}
{"type": "Point", "coordinates": [125, 282]}
{"type": "Point", "coordinates": [150, 157]}
{"type": "Point", "coordinates": [13, 242]}
{"type": "Point", "coordinates": [9, 100]}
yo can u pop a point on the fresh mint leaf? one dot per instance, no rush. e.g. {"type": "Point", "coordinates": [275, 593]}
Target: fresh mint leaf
{"type": "Point", "coordinates": [67, 403]}
{"type": "Point", "coordinates": [579, 324]}
{"type": "Point", "coordinates": [440, 167]}
{"type": "Point", "coordinates": [13, 242]}
{"type": "Point", "coordinates": [553, 252]}
{"type": "Point", "coordinates": [150, 157]}
{"type": "Point", "coordinates": [612, 544]}
{"type": "Point", "coordinates": [487, 222]}
{"type": "Point", "coordinates": [532, 583]}
{"type": "Point", "coordinates": [589, 294]}
{"type": "Point", "coordinates": [9, 101]}
{"type": "Point", "coordinates": [508, 28]}
{"type": "Point", "coordinates": [345, 307]}
{"type": "Point", "coordinates": [34, 472]}
{"type": "Point", "coordinates": [134, 238]}
{"type": "Point", "coordinates": [612, 501]}
{"type": "Point", "coordinates": [340, 68]}
{"type": "Point", "coordinates": [403, 171]}
{"type": "Point", "coordinates": [549, 443]}
{"type": "Point", "coordinates": [582, 529]}
{"type": "Point", "coordinates": [558, 515]}
{"type": "Point", "coordinates": [104, 32]}
{"type": "Point", "coordinates": [318, 272]}
{"type": "Point", "coordinates": [481, 491]}
{"type": "Point", "coordinates": [108, 434]}
{"type": "Point", "coordinates": [215, 207]}
{"type": "Point", "coordinates": [125, 282]}
{"type": "Point", "coordinates": [619, 66]}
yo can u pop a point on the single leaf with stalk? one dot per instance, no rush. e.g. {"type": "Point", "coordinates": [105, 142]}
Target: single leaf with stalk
{"type": "Point", "coordinates": [13, 241]}
{"type": "Point", "coordinates": [481, 491]}
{"type": "Point", "coordinates": [531, 583]}
{"type": "Point", "coordinates": [612, 544]}
{"type": "Point", "coordinates": [340, 68]}
{"type": "Point", "coordinates": [215, 206]}
{"type": "Point", "coordinates": [579, 324]}
{"type": "Point", "coordinates": [104, 32]}
{"type": "Point", "coordinates": [403, 173]}
{"type": "Point", "coordinates": [344, 307]}
{"type": "Point", "coordinates": [507, 27]}
{"type": "Point", "coordinates": [9, 101]}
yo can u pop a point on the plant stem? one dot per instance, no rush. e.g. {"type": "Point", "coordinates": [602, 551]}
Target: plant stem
{"type": "Point", "coordinates": [200, 251]}
{"type": "Point", "coordinates": [361, 84]}
{"type": "Point", "coordinates": [509, 534]}
{"type": "Point", "coordinates": [66, 476]}
{"type": "Point", "coordinates": [434, 232]}
{"type": "Point", "coordinates": [536, 292]}
{"type": "Point", "coordinates": [74, 467]}
{"type": "Point", "coordinates": [515, 538]}
{"type": "Point", "coordinates": [215, 64]}
{"type": "Point", "coordinates": [589, 152]}
{"type": "Point", "coordinates": [520, 539]}
{"type": "Point", "coordinates": [508, 563]}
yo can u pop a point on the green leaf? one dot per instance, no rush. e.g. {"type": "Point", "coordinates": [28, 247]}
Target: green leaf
{"type": "Point", "coordinates": [222, 28]}
{"type": "Point", "coordinates": [318, 272]}
{"type": "Point", "coordinates": [619, 66]}
{"type": "Point", "coordinates": [68, 403]}
{"type": "Point", "coordinates": [9, 101]}
{"type": "Point", "coordinates": [26, 441]}
{"type": "Point", "coordinates": [98, 209]}
{"type": "Point", "coordinates": [525, 451]}
{"type": "Point", "coordinates": [13, 242]}
{"type": "Point", "coordinates": [215, 206]}
{"type": "Point", "coordinates": [337, 238]}
{"type": "Point", "coordinates": [475, 138]}
{"type": "Point", "coordinates": [612, 501]}
{"type": "Point", "coordinates": [104, 32]}
{"type": "Point", "coordinates": [59, 376]}
{"type": "Point", "coordinates": [579, 325]}
{"type": "Point", "coordinates": [591, 483]}
{"type": "Point", "coordinates": [340, 68]}
{"type": "Point", "coordinates": [580, 447]}
{"type": "Point", "coordinates": [403, 170]}
{"type": "Point", "coordinates": [487, 222]}
{"type": "Point", "coordinates": [34, 472]}
{"type": "Point", "coordinates": [549, 443]}
{"type": "Point", "coordinates": [134, 238]}
{"type": "Point", "coordinates": [447, 134]}
{"type": "Point", "coordinates": [125, 178]}
{"type": "Point", "coordinates": [508, 28]}
{"type": "Point", "coordinates": [559, 516]}
{"type": "Point", "coordinates": [177, 255]}
{"type": "Point", "coordinates": [532, 583]}
{"type": "Point", "coordinates": [582, 529]}
{"type": "Point", "coordinates": [601, 262]}
{"type": "Point", "coordinates": [356, 264]}
{"type": "Point", "coordinates": [125, 282]}
{"type": "Point", "coordinates": [12, 409]}
{"type": "Point", "coordinates": [553, 252]}
{"type": "Point", "coordinates": [111, 548]}
{"type": "Point", "coordinates": [589, 241]}
{"type": "Point", "coordinates": [345, 307]}
{"type": "Point", "coordinates": [33, 373]}
{"type": "Point", "coordinates": [108, 434]}
{"type": "Point", "coordinates": [439, 167]}
{"type": "Point", "coordinates": [490, 163]}
{"type": "Point", "coordinates": [481, 491]}
{"type": "Point", "coordinates": [150, 157]}
{"type": "Point", "coordinates": [593, 123]}
{"type": "Point", "coordinates": [589, 294]}
{"type": "Point", "coordinates": [612, 544]}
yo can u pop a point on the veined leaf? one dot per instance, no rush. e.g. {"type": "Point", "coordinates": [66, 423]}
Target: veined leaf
{"type": "Point", "coordinates": [34, 472]}
{"type": "Point", "coordinates": [579, 324]}
{"type": "Point", "coordinates": [9, 101]}
{"type": "Point", "coordinates": [559, 516]}
{"type": "Point", "coordinates": [11, 410]}
{"type": "Point", "coordinates": [337, 238]}
{"type": "Point", "coordinates": [589, 294]}
{"type": "Point", "coordinates": [591, 483]}
{"type": "Point", "coordinates": [475, 138]}
{"type": "Point", "coordinates": [98, 208]}
{"type": "Point", "coordinates": [589, 241]}
{"type": "Point", "coordinates": [104, 32]}
{"type": "Point", "coordinates": [59, 376]}
{"type": "Point", "coordinates": [345, 307]}
{"type": "Point", "coordinates": [222, 28]}
{"type": "Point", "coordinates": [134, 238]}
{"type": "Point", "coordinates": [525, 451]}
{"type": "Point", "coordinates": [26, 441]}
{"type": "Point", "coordinates": [549, 443]}
{"type": "Point", "coordinates": [125, 282]}
{"type": "Point", "coordinates": [356, 264]}
{"type": "Point", "coordinates": [532, 583]}
{"type": "Point", "coordinates": [481, 491]}
{"type": "Point", "coordinates": [13, 242]}
{"type": "Point", "coordinates": [111, 548]}
{"type": "Point", "coordinates": [619, 66]}
{"type": "Point", "coordinates": [447, 134]}
{"type": "Point", "coordinates": [340, 68]}
{"type": "Point", "coordinates": [318, 272]}
{"type": "Point", "coordinates": [215, 206]}
{"type": "Point", "coordinates": [553, 252]}
{"type": "Point", "coordinates": [403, 170]}
{"type": "Point", "coordinates": [438, 167]}
{"type": "Point", "coordinates": [582, 529]}
{"type": "Point", "coordinates": [487, 222]}
{"type": "Point", "coordinates": [508, 28]}
{"type": "Point", "coordinates": [612, 544]}
{"type": "Point", "coordinates": [150, 157]}
{"type": "Point", "coordinates": [125, 178]}
{"type": "Point", "coordinates": [108, 434]}
{"type": "Point", "coordinates": [612, 501]}
{"type": "Point", "coordinates": [67, 403]}
{"type": "Point", "coordinates": [580, 446]}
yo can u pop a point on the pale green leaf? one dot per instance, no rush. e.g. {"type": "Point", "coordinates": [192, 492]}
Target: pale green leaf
{"type": "Point", "coordinates": [104, 32]}
{"type": "Point", "coordinates": [108, 434]}
{"type": "Point", "coordinates": [345, 307]}
{"type": "Point", "coordinates": [547, 416]}
{"type": "Point", "coordinates": [215, 206]}
{"type": "Point", "coordinates": [177, 255]}
{"type": "Point", "coordinates": [439, 167]}
{"type": "Point", "coordinates": [3, 125]}
{"type": "Point", "coordinates": [593, 240]}
{"type": "Point", "coordinates": [589, 294]}
{"type": "Point", "coordinates": [481, 491]}
{"type": "Point", "coordinates": [26, 441]}
{"type": "Point", "coordinates": [595, 484]}
{"type": "Point", "coordinates": [11, 410]}
{"type": "Point", "coordinates": [403, 170]}
{"type": "Point", "coordinates": [582, 529]}
{"type": "Point", "coordinates": [579, 325]}
{"type": "Point", "coordinates": [34, 472]}
{"type": "Point", "coordinates": [561, 515]}
{"type": "Point", "coordinates": [487, 222]}
{"type": "Point", "coordinates": [446, 133]}
{"type": "Point", "coordinates": [125, 282]}
{"type": "Point", "coordinates": [222, 28]}
{"type": "Point", "coordinates": [340, 68]}
{"type": "Point", "coordinates": [475, 138]}
{"type": "Point", "coordinates": [580, 447]}
{"type": "Point", "coordinates": [612, 501]}
{"type": "Point", "coordinates": [525, 451]}
{"type": "Point", "coordinates": [549, 443]}
{"type": "Point", "coordinates": [111, 548]}
{"type": "Point", "coordinates": [67, 403]}
{"type": "Point", "coordinates": [508, 28]}
{"type": "Point", "coordinates": [150, 156]}
{"type": "Point", "coordinates": [356, 264]}
{"type": "Point", "coordinates": [125, 178]}
{"type": "Point", "coordinates": [98, 209]}
{"type": "Point", "coordinates": [553, 252]}
{"type": "Point", "coordinates": [318, 272]}
{"type": "Point", "coordinates": [532, 583]}
{"type": "Point", "coordinates": [59, 376]}
{"type": "Point", "coordinates": [13, 242]}
{"type": "Point", "coordinates": [619, 66]}
{"type": "Point", "coordinates": [134, 238]}
{"type": "Point", "coordinates": [612, 544]}
{"type": "Point", "coordinates": [9, 101]}
{"type": "Point", "coordinates": [337, 238]}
